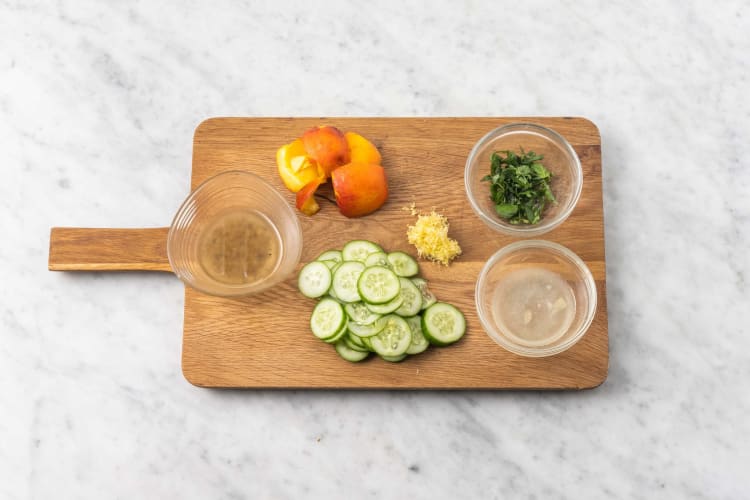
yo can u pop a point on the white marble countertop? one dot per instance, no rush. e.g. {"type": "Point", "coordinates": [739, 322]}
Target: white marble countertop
{"type": "Point", "coordinates": [98, 102]}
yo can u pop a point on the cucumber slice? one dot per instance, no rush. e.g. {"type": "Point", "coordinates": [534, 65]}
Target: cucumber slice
{"type": "Point", "coordinates": [377, 259]}
{"type": "Point", "coordinates": [327, 319]}
{"type": "Point", "coordinates": [412, 303]}
{"type": "Point", "coordinates": [314, 279]}
{"type": "Point", "coordinates": [334, 255]}
{"type": "Point", "coordinates": [348, 354]}
{"type": "Point", "coordinates": [427, 296]}
{"type": "Point", "coordinates": [346, 339]}
{"type": "Point", "coordinates": [356, 340]}
{"type": "Point", "coordinates": [395, 337]}
{"type": "Point", "coordinates": [386, 308]}
{"type": "Point", "coordinates": [331, 293]}
{"type": "Point", "coordinates": [443, 324]}
{"type": "Point", "coordinates": [338, 335]}
{"type": "Point", "coordinates": [403, 264]}
{"type": "Point", "coordinates": [335, 267]}
{"type": "Point", "coordinates": [367, 330]}
{"type": "Point", "coordinates": [371, 302]}
{"type": "Point", "coordinates": [330, 264]}
{"type": "Point", "coordinates": [394, 359]}
{"type": "Point", "coordinates": [418, 341]}
{"type": "Point", "coordinates": [345, 281]}
{"type": "Point", "coordinates": [360, 314]}
{"type": "Point", "coordinates": [359, 250]}
{"type": "Point", "coordinates": [367, 343]}
{"type": "Point", "coordinates": [378, 285]}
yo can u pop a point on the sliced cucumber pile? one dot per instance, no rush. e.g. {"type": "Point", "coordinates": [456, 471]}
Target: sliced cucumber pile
{"type": "Point", "coordinates": [373, 301]}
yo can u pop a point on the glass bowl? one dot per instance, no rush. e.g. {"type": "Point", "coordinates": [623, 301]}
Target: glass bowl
{"type": "Point", "coordinates": [559, 158]}
{"type": "Point", "coordinates": [514, 277]}
{"type": "Point", "coordinates": [234, 235]}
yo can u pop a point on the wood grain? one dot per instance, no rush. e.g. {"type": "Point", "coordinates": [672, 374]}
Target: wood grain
{"type": "Point", "coordinates": [93, 249]}
{"type": "Point", "coordinates": [264, 342]}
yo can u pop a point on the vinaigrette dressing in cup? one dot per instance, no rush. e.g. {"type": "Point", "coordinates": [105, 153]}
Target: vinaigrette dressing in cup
{"type": "Point", "coordinates": [234, 235]}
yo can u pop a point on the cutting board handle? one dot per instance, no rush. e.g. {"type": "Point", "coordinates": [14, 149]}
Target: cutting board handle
{"type": "Point", "coordinates": [94, 249]}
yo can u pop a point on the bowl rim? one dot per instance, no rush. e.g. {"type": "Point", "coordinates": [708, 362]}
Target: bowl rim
{"type": "Point", "coordinates": [543, 226]}
{"type": "Point", "coordinates": [232, 290]}
{"type": "Point", "coordinates": [540, 351]}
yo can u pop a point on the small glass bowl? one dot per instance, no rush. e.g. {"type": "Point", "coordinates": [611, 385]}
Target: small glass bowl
{"type": "Point", "coordinates": [536, 254]}
{"type": "Point", "coordinates": [225, 193]}
{"type": "Point", "coordinates": [559, 158]}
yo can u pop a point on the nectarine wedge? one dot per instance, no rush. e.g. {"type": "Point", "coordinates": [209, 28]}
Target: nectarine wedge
{"type": "Point", "coordinates": [360, 188]}
{"type": "Point", "coordinates": [295, 168]}
{"type": "Point", "coordinates": [362, 150]}
{"type": "Point", "coordinates": [306, 198]}
{"type": "Point", "coordinates": [327, 146]}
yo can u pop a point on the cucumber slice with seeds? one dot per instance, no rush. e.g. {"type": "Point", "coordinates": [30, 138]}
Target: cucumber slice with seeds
{"type": "Point", "coordinates": [378, 285]}
{"type": "Point", "coordinates": [412, 303]}
{"type": "Point", "coordinates": [367, 330]}
{"type": "Point", "coordinates": [327, 319]}
{"type": "Point", "coordinates": [345, 281]}
{"type": "Point", "coordinates": [352, 345]}
{"type": "Point", "coordinates": [367, 343]}
{"type": "Point", "coordinates": [338, 335]}
{"type": "Point", "coordinates": [349, 354]}
{"type": "Point", "coordinates": [331, 291]}
{"type": "Point", "coordinates": [314, 279]}
{"type": "Point", "coordinates": [395, 337]}
{"type": "Point", "coordinates": [418, 341]}
{"type": "Point", "coordinates": [360, 314]}
{"type": "Point", "coordinates": [428, 298]}
{"type": "Point", "coordinates": [355, 339]}
{"type": "Point", "coordinates": [443, 324]}
{"type": "Point", "coordinates": [330, 264]}
{"type": "Point", "coordinates": [334, 255]}
{"type": "Point", "coordinates": [359, 250]}
{"type": "Point", "coordinates": [403, 264]}
{"type": "Point", "coordinates": [386, 308]}
{"type": "Point", "coordinates": [377, 259]}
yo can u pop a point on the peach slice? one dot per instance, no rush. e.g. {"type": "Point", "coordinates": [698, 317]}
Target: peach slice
{"type": "Point", "coordinates": [360, 188]}
{"type": "Point", "coordinates": [327, 146]}
{"type": "Point", "coordinates": [362, 150]}
{"type": "Point", "coordinates": [295, 168]}
{"type": "Point", "coordinates": [306, 198]}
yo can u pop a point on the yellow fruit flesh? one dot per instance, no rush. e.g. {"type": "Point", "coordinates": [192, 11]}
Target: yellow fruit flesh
{"type": "Point", "coordinates": [362, 150]}
{"type": "Point", "coordinates": [295, 169]}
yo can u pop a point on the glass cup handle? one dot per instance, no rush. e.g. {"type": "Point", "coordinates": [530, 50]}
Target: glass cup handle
{"type": "Point", "coordinates": [99, 249]}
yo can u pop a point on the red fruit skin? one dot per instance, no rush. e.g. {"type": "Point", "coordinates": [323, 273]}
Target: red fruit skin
{"type": "Point", "coordinates": [306, 198]}
{"type": "Point", "coordinates": [360, 188]}
{"type": "Point", "coordinates": [328, 146]}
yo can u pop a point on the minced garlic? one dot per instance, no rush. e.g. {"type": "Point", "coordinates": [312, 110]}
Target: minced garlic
{"type": "Point", "coordinates": [430, 236]}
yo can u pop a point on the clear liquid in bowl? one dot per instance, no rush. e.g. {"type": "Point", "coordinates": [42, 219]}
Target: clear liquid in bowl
{"type": "Point", "coordinates": [239, 247]}
{"type": "Point", "coordinates": [533, 306]}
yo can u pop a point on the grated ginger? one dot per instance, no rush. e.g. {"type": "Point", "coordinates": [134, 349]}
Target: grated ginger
{"type": "Point", "coordinates": [430, 236]}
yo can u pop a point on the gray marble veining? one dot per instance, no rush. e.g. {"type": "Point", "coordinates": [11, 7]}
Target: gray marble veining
{"type": "Point", "coordinates": [98, 101]}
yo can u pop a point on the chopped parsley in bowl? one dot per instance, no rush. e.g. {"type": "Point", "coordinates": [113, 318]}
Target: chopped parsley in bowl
{"type": "Point", "coordinates": [523, 179]}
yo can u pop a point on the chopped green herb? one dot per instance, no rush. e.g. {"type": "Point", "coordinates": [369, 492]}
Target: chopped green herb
{"type": "Point", "coordinates": [519, 186]}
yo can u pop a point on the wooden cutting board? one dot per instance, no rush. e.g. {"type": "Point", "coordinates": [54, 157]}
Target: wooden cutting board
{"type": "Point", "coordinates": [264, 341]}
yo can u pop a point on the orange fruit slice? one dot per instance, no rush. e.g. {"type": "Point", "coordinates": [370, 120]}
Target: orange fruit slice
{"type": "Point", "coordinates": [295, 168]}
